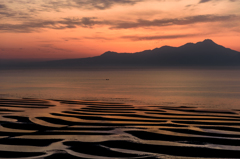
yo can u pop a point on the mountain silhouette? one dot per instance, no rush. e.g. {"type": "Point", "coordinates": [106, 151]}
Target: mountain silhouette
{"type": "Point", "coordinates": [206, 53]}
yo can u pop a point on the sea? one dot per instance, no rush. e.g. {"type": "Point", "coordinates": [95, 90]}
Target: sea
{"type": "Point", "coordinates": [208, 88]}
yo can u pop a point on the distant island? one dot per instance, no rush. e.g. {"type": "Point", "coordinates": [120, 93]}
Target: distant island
{"type": "Point", "coordinates": [201, 54]}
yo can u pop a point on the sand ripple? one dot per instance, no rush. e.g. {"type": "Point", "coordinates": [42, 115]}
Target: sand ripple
{"type": "Point", "coordinates": [33, 128]}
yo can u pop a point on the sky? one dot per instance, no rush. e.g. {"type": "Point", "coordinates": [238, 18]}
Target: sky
{"type": "Point", "coordinates": [63, 29]}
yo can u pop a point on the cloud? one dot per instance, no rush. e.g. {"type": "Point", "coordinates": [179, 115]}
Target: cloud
{"type": "Point", "coordinates": [6, 12]}
{"type": "Point", "coordinates": [50, 46]}
{"type": "Point", "coordinates": [204, 1]}
{"type": "Point", "coordinates": [175, 21]}
{"type": "Point", "coordinates": [104, 4]}
{"type": "Point", "coordinates": [86, 4]}
{"type": "Point", "coordinates": [87, 37]}
{"type": "Point", "coordinates": [2, 6]}
{"type": "Point", "coordinates": [35, 25]}
{"type": "Point", "coordinates": [98, 38]}
{"type": "Point", "coordinates": [157, 37]}
{"type": "Point", "coordinates": [71, 39]}
{"type": "Point", "coordinates": [90, 22]}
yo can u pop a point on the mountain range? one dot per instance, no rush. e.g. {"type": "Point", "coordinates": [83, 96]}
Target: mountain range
{"type": "Point", "coordinates": [201, 54]}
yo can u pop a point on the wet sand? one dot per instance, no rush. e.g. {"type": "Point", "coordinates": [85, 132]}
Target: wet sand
{"type": "Point", "coordinates": [37, 128]}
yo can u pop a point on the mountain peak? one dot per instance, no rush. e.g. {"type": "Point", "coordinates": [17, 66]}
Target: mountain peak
{"type": "Point", "coordinates": [109, 53]}
{"type": "Point", "coordinates": [208, 41]}
{"type": "Point", "coordinates": [187, 45]}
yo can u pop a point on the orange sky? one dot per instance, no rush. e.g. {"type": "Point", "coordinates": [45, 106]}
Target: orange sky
{"type": "Point", "coordinates": [58, 29]}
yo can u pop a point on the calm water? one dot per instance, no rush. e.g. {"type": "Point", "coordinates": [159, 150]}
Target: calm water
{"type": "Point", "coordinates": [202, 88]}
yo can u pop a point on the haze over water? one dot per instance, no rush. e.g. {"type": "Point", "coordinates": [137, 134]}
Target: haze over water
{"type": "Point", "coordinates": [171, 87]}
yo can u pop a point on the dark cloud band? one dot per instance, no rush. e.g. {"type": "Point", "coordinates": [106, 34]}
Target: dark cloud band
{"type": "Point", "coordinates": [66, 23]}
{"type": "Point", "coordinates": [204, 1]}
{"type": "Point", "coordinates": [175, 21]}
{"type": "Point", "coordinates": [103, 4]}
{"type": "Point", "coordinates": [86, 4]}
{"type": "Point", "coordinates": [158, 37]}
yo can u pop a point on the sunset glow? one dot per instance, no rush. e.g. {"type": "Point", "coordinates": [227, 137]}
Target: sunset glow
{"type": "Point", "coordinates": [59, 29]}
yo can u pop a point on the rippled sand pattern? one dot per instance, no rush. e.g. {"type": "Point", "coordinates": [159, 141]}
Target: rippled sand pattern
{"type": "Point", "coordinates": [32, 128]}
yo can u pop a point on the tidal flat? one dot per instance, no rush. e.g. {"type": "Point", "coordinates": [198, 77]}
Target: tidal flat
{"type": "Point", "coordinates": [50, 128]}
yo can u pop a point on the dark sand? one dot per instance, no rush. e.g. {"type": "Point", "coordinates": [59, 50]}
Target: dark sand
{"type": "Point", "coordinates": [33, 128]}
